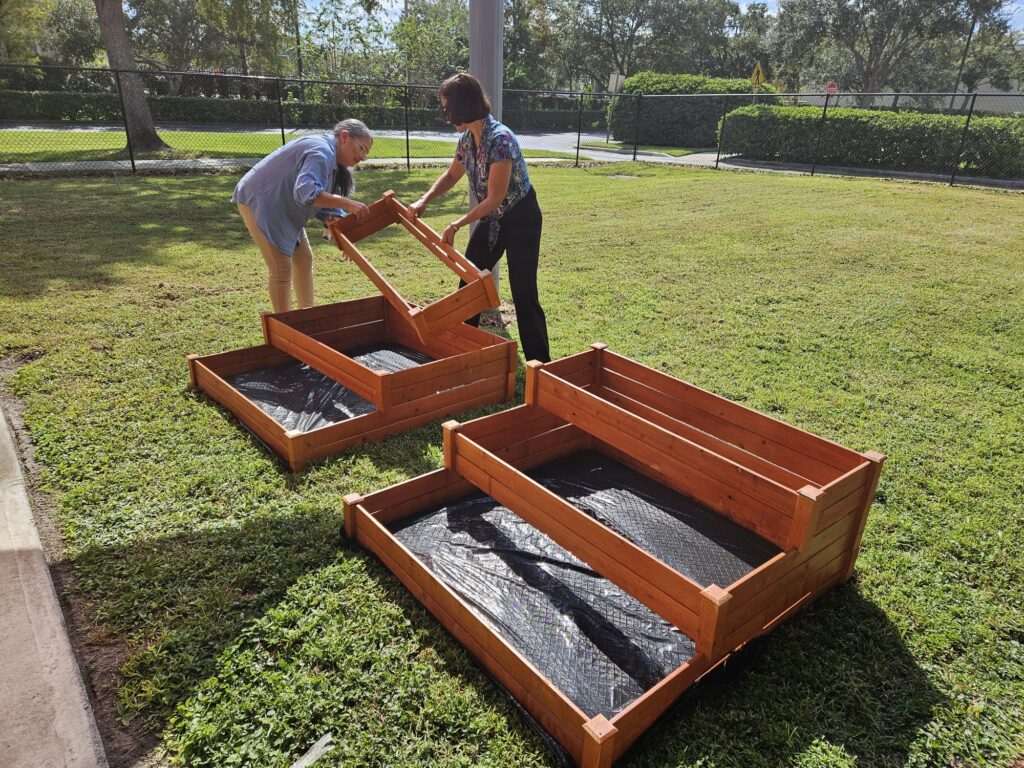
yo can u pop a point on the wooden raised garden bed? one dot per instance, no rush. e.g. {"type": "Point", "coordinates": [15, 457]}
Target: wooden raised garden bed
{"type": "Point", "coordinates": [478, 293]}
{"type": "Point", "coordinates": [618, 505]}
{"type": "Point", "coordinates": [353, 372]}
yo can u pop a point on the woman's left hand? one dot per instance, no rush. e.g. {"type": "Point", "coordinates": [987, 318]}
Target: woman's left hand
{"type": "Point", "coordinates": [448, 236]}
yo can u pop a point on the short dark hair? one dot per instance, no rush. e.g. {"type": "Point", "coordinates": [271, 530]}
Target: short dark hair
{"type": "Point", "coordinates": [466, 99]}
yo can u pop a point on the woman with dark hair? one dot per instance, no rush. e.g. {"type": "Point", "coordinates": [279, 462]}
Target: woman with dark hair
{"type": "Point", "coordinates": [510, 218]}
{"type": "Point", "coordinates": [279, 194]}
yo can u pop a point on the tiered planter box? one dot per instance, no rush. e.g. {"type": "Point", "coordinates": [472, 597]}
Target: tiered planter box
{"type": "Point", "coordinates": [478, 293]}
{"type": "Point", "coordinates": [467, 368]}
{"type": "Point", "coordinates": [796, 501]}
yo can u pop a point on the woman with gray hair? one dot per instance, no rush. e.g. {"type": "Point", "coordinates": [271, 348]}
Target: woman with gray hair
{"type": "Point", "coordinates": [279, 194]}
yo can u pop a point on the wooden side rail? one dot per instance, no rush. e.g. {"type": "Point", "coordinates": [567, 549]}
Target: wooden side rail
{"type": "Point", "coordinates": [730, 488]}
{"type": "Point", "coordinates": [478, 293]}
{"type": "Point", "coordinates": [666, 592]}
{"type": "Point", "coordinates": [813, 459]}
{"type": "Point", "coordinates": [545, 702]}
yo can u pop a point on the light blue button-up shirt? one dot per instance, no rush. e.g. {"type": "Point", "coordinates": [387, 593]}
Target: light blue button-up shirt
{"type": "Point", "coordinates": [280, 188]}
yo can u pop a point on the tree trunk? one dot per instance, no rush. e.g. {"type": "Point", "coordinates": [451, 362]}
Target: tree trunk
{"type": "Point", "coordinates": [119, 54]}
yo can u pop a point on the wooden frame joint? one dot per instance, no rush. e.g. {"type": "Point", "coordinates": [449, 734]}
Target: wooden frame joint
{"type": "Point", "coordinates": [714, 604]}
{"type": "Point", "coordinates": [533, 369]}
{"type": "Point", "coordinates": [451, 430]}
{"type": "Point", "coordinates": [598, 742]}
{"type": "Point", "coordinates": [193, 376]}
{"type": "Point", "coordinates": [805, 517]}
{"type": "Point", "coordinates": [351, 501]}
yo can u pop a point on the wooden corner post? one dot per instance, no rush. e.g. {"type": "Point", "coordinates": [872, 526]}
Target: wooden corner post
{"type": "Point", "coordinates": [877, 460]}
{"type": "Point", "coordinates": [805, 517]}
{"type": "Point", "coordinates": [351, 501]}
{"type": "Point", "coordinates": [193, 377]}
{"type": "Point", "coordinates": [598, 742]}
{"type": "Point", "coordinates": [599, 347]}
{"type": "Point", "coordinates": [713, 630]}
{"type": "Point", "coordinates": [451, 430]}
{"type": "Point", "coordinates": [533, 368]}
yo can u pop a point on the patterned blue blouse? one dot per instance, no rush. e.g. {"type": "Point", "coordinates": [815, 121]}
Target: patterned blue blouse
{"type": "Point", "coordinates": [497, 143]}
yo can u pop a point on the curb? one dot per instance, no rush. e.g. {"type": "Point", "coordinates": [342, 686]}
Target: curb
{"type": "Point", "coordinates": [47, 720]}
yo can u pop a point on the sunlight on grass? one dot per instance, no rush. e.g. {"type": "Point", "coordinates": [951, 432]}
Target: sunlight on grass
{"type": "Point", "coordinates": [882, 315]}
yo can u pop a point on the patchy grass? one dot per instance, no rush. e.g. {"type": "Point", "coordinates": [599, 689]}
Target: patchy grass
{"type": "Point", "coordinates": [883, 315]}
{"type": "Point", "coordinates": [80, 146]}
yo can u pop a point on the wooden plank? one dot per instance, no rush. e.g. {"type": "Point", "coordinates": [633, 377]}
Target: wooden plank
{"type": "Point", "coordinates": [393, 297]}
{"type": "Point", "coordinates": [666, 592]}
{"type": "Point", "coordinates": [510, 425]}
{"type": "Point", "coordinates": [753, 422]}
{"type": "Point", "coordinates": [846, 483]}
{"type": "Point", "coordinates": [571, 364]}
{"type": "Point", "coordinates": [333, 364]}
{"type": "Point", "coordinates": [587, 408]}
{"type": "Point", "coordinates": [369, 307]}
{"type": "Point", "coordinates": [805, 518]}
{"type": "Point", "coordinates": [243, 360]}
{"type": "Point", "coordinates": [268, 430]}
{"type": "Point", "coordinates": [542, 447]}
{"type": "Point", "coordinates": [380, 503]}
{"type": "Point", "coordinates": [715, 480]}
{"type": "Point", "coordinates": [455, 261]}
{"type": "Point", "coordinates": [453, 309]}
{"type": "Point", "coordinates": [557, 712]}
{"type": "Point", "coordinates": [344, 319]}
{"type": "Point", "coordinates": [714, 611]}
{"type": "Point", "coordinates": [457, 378]}
{"type": "Point", "coordinates": [723, 448]}
{"type": "Point", "coordinates": [599, 737]}
{"type": "Point", "coordinates": [840, 509]}
{"type": "Point", "coordinates": [769, 524]}
{"type": "Point", "coordinates": [871, 485]}
{"type": "Point", "coordinates": [641, 713]}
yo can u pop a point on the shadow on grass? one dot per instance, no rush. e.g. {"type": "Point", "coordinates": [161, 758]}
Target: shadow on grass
{"type": "Point", "coordinates": [82, 246]}
{"type": "Point", "coordinates": [834, 680]}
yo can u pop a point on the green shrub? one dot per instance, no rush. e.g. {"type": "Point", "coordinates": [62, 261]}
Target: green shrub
{"type": "Point", "coordinates": [867, 138]}
{"type": "Point", "coordinates": [87, 107]}
{"type": "Point", "coordinates": [688, 121]}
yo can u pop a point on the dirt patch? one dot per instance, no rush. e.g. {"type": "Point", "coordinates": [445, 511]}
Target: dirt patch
{"type": "Point", "coordinates": [100, 656]}
{"type": "Point", "coordinates": [498, 319]}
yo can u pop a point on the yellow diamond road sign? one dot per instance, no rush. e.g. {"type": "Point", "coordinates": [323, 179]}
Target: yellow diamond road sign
{"type": "Point", "coordinates": [757, 76]}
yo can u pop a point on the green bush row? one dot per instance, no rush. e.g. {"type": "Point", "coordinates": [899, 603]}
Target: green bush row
{"type": "Point", "coordinates": [690, 121]}
{"type": "Point", "coordinates": [867, 138]}
{"type": "Point", "coordinates": [87, 107]}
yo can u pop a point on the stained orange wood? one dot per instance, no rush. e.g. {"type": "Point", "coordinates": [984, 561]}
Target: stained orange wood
{"type": "Point", "coordinates": [598, 742]}
{"type": "Point", "coordinates": [663, 590]}
{"type": "Point", "coordinates": [555, 710]}
{"type": "Point", "coordinates": [871, 485]}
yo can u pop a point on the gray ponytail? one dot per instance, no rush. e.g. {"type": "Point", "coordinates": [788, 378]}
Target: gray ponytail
{"type": "Point", "coordinates": [357, 129]}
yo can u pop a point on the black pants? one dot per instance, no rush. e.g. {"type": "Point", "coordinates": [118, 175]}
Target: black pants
{"type": "Point", "coordinates": [520, 238]}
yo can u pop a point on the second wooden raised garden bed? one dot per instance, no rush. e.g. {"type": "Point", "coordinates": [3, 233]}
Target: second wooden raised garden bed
{"type": "Point", "coordinates": [603, 546]}
{"type": "Point", "coordinates": [341, 374]}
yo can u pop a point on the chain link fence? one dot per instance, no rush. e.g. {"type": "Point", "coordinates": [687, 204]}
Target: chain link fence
{"type": "Point", "coordinates": [61, 119]}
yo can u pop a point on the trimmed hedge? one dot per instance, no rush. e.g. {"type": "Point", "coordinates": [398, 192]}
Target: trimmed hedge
{"type": "Point", "coordinates": [683, 122]}
{"type": "Point", "coordinates": [867, 138]}
{"type": "Point", "coordinates": [87, 107]}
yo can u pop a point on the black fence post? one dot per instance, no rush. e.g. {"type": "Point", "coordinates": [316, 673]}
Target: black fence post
{"type": "Point", "coordinates": [721, 131]}
{"type": "Point", "coordinates": [280, 110]}
{"type": "Point", "coordinates": [821, 128]}
{"type": "Point", "coordinates": [579, 132]}
{"type": "Point", "coordinates": [963, 139]}
{"type": "Point", "coordinates": [408, 154]}
{"type": "Point", "coordinates": [636, 127]}
{"type": "Point", "coordinates": [124, 117]}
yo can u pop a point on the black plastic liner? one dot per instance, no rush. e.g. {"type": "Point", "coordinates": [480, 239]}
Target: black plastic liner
{"type": "Point", "coordinates": [300, 398]}
{"type": "Point", "coordinates": [696, 541]}
{"type": "Point", "coordinates": [601, 647]}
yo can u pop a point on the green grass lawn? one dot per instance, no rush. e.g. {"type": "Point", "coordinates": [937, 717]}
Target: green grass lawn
{"type": "Point", "coordinates": [883, 315]}
{"type": "Point", "coordinates": [622, 146]}
{"type": "Point", "coordinates": [80, 146]}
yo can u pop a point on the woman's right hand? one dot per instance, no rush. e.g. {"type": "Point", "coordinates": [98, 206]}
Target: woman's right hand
{"type": "Point", "coordinates": [416, 209]}
{"type": "Point", "coordinates": [355, 208]}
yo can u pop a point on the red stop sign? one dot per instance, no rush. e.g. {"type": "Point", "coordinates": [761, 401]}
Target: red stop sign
{"type": "Point", "coordinates": [832, 87]}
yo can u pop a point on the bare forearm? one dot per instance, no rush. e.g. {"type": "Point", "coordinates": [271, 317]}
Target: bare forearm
{"type": "Point", "coordinates": [478, 211]}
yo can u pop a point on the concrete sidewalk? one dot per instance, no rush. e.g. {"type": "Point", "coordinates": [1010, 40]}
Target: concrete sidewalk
{"type": "Point", "coordinates": [45, 717]}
